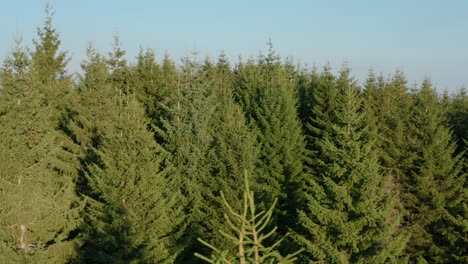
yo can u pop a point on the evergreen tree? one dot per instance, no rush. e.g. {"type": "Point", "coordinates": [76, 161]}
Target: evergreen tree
{"type": "Point", "coordinates": [154, 84]}
{"type": "Point", "coordinates": [323, 95]}
{"type": "Point", "coordinates": [90, 106]}
{"type": "Point", "coordinates": [267, 95]}
{"type": "Point", "coordinates": [434, 189]}
{"type": "Point", "coordinates": [457, 113]}
{"type": "Point", "coordinates": [350, 215]}
{"type": "Point", "coordinates": [233, 149]}
{"type": "Point", "coordinates": [249, 236]}
{"type": "Point", "coordinates": [145, 80]}
{"type": "Point", "coordinates": [210, 148]}
{"type": "Point", "coordinates": [187, 136]}
{"type": "Point", "coordinates": [132, 215]}
{"type": "Point", "coordinates": [307, 83]}
{"type": "Point", "coordinates": [118, 67]}
{"type": "Point", "coordinates": [40, 210]}
{"type": "Point", "coordinates": [49, 64]}
{"type": "Point", "coordinates": [393, 112]}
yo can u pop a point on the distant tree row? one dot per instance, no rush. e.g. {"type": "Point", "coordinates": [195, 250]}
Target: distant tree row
{"type": "Point", "coordinates": [127, 162]}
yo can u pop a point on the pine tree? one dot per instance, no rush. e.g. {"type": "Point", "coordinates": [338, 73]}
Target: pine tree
{"type": "Point", "coordinates": [40, 210]}
{"type": "Point", "coordinates": [350, 215]}
{"type": "Point", "coordinates": [434, 189]}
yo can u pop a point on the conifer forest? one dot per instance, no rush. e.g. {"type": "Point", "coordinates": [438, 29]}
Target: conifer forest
{"type": "Point", "coordinates": [206, 160]}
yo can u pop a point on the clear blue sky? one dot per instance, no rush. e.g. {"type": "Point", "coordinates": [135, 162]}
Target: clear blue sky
{"type": "Point", "coordinates": [424, 38]}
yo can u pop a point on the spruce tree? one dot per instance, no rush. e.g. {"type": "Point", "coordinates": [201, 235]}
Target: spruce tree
{"type": "Point", "coordinates": [210, 146]}
{"type": "Point", "coordinates": [267, 95]}
{"type": "Point", "coordinates": [118, 67]}
{"type": "Point", "coordinates": [391, 105]}
{"type": "Point", "coordinates": [132, 215]}
{"type": "Point", "coordinates": [323, 95]}
{"type": "Point", "coordinates": [457, 113]}
{"type": "Point", "coordinates": [247, 234]}
{"type": "Point", "coordinates": [48, 65]}
{"type": "Point", "coordinates": [154, 84]}
{"type": "Point", "coordinates": [48, 62]}
{"type": "Point", "coordinates": [186, 135]}
{"type": "Point", "coordinates": [307, 83]}
{"type": "Point", "coordinates": [40, 210]}
{"type": "Point", "coordinates": [434, 189]}
{"type": "Point", "coordinates": [145, 80]}
{"type": "Point", "coordinates": [350, 214]}
{"type": "Point", "coordinates": [90, 105]}
{"type": "Point", "coordinates": [233, 148]}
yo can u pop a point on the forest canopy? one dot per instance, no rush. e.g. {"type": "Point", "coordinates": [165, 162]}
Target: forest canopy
{"type": "Point", "coordinates": [154, 161]}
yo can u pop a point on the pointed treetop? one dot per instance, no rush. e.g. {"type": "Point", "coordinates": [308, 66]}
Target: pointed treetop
{"type": "Point", "coordinates": [48, 62]}
{"type": "Point", "coordinates": [117, 57]}
{"type": "Point", "coordinates": [271, 57]}
{"type": "Point", "coordinates": [18, 61]}
{"type": "Point", "coordinates": [399, 78]}
{"type": "Point", "coordinates": [223, 61]}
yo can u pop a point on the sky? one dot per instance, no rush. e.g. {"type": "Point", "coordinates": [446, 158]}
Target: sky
{"type": "Point", "coordinates": [424, 38]}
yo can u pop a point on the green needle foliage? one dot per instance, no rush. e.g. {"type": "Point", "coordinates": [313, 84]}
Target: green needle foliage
{"type": "Point", "coordinates": [89, 107]}
{"type": "Point", "coordinates": [351, 214]}
{"type": "Point", "coordinates": [233, 149]}
{"type": "Point", "coordinates": [434, 189]}
{"type": "Point", "coordinates": [248, 235]}
{"type": "Point", "coordinates": [143, 161]}
{"type": "Point", "coordinates": [132, 217]}
{"type": "Point", "coordinates": [457, 112]}
{"type": "Point", "coordinates": [39, 206]}
{"type": "Point", "coordinates": [186, 134]}
{"type": "Point", "coordinates": [266, 92]}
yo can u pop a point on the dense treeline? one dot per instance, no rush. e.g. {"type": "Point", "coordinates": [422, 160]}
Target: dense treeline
{"type": "Point", "coordinates": [127, 162]}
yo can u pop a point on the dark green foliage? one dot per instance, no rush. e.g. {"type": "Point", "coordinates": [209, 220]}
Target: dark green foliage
{"type": "Point", "coordinates": [48, 62]}
{"type": "Point", "coordinates": [266, 93]}
{"type": "Point", "coordinates": [350, 215]}
{"type": "Point", "coordinates": [154, 84]}
{"type": "Point", "coordinates": [186, 135]}
{"type": "Point", "coordinates": [233, 149]}
{"type": "Point", "coordinates": [127, 163]}
{"type": "Point", "coordinates": [307, 84]}
{"type": "Point", "coordinates": [39, 207]}
{"type": "Point", "coordinates": [210, 147]}
{"type": "Point", "coordinates": [391, 103]}
{"type": "Point", "coordinates": [457, 112]}
{"type": "Point", "coordinates": [131, 215]}
{"type": "Point", "coordinates": [90, 106]}
{"type": "Point", "coordinates": [118, 68]}
{"type": "Point", "coordinates": [434, 191]}
{"type": "Point", "coordinates": [323, 94]}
